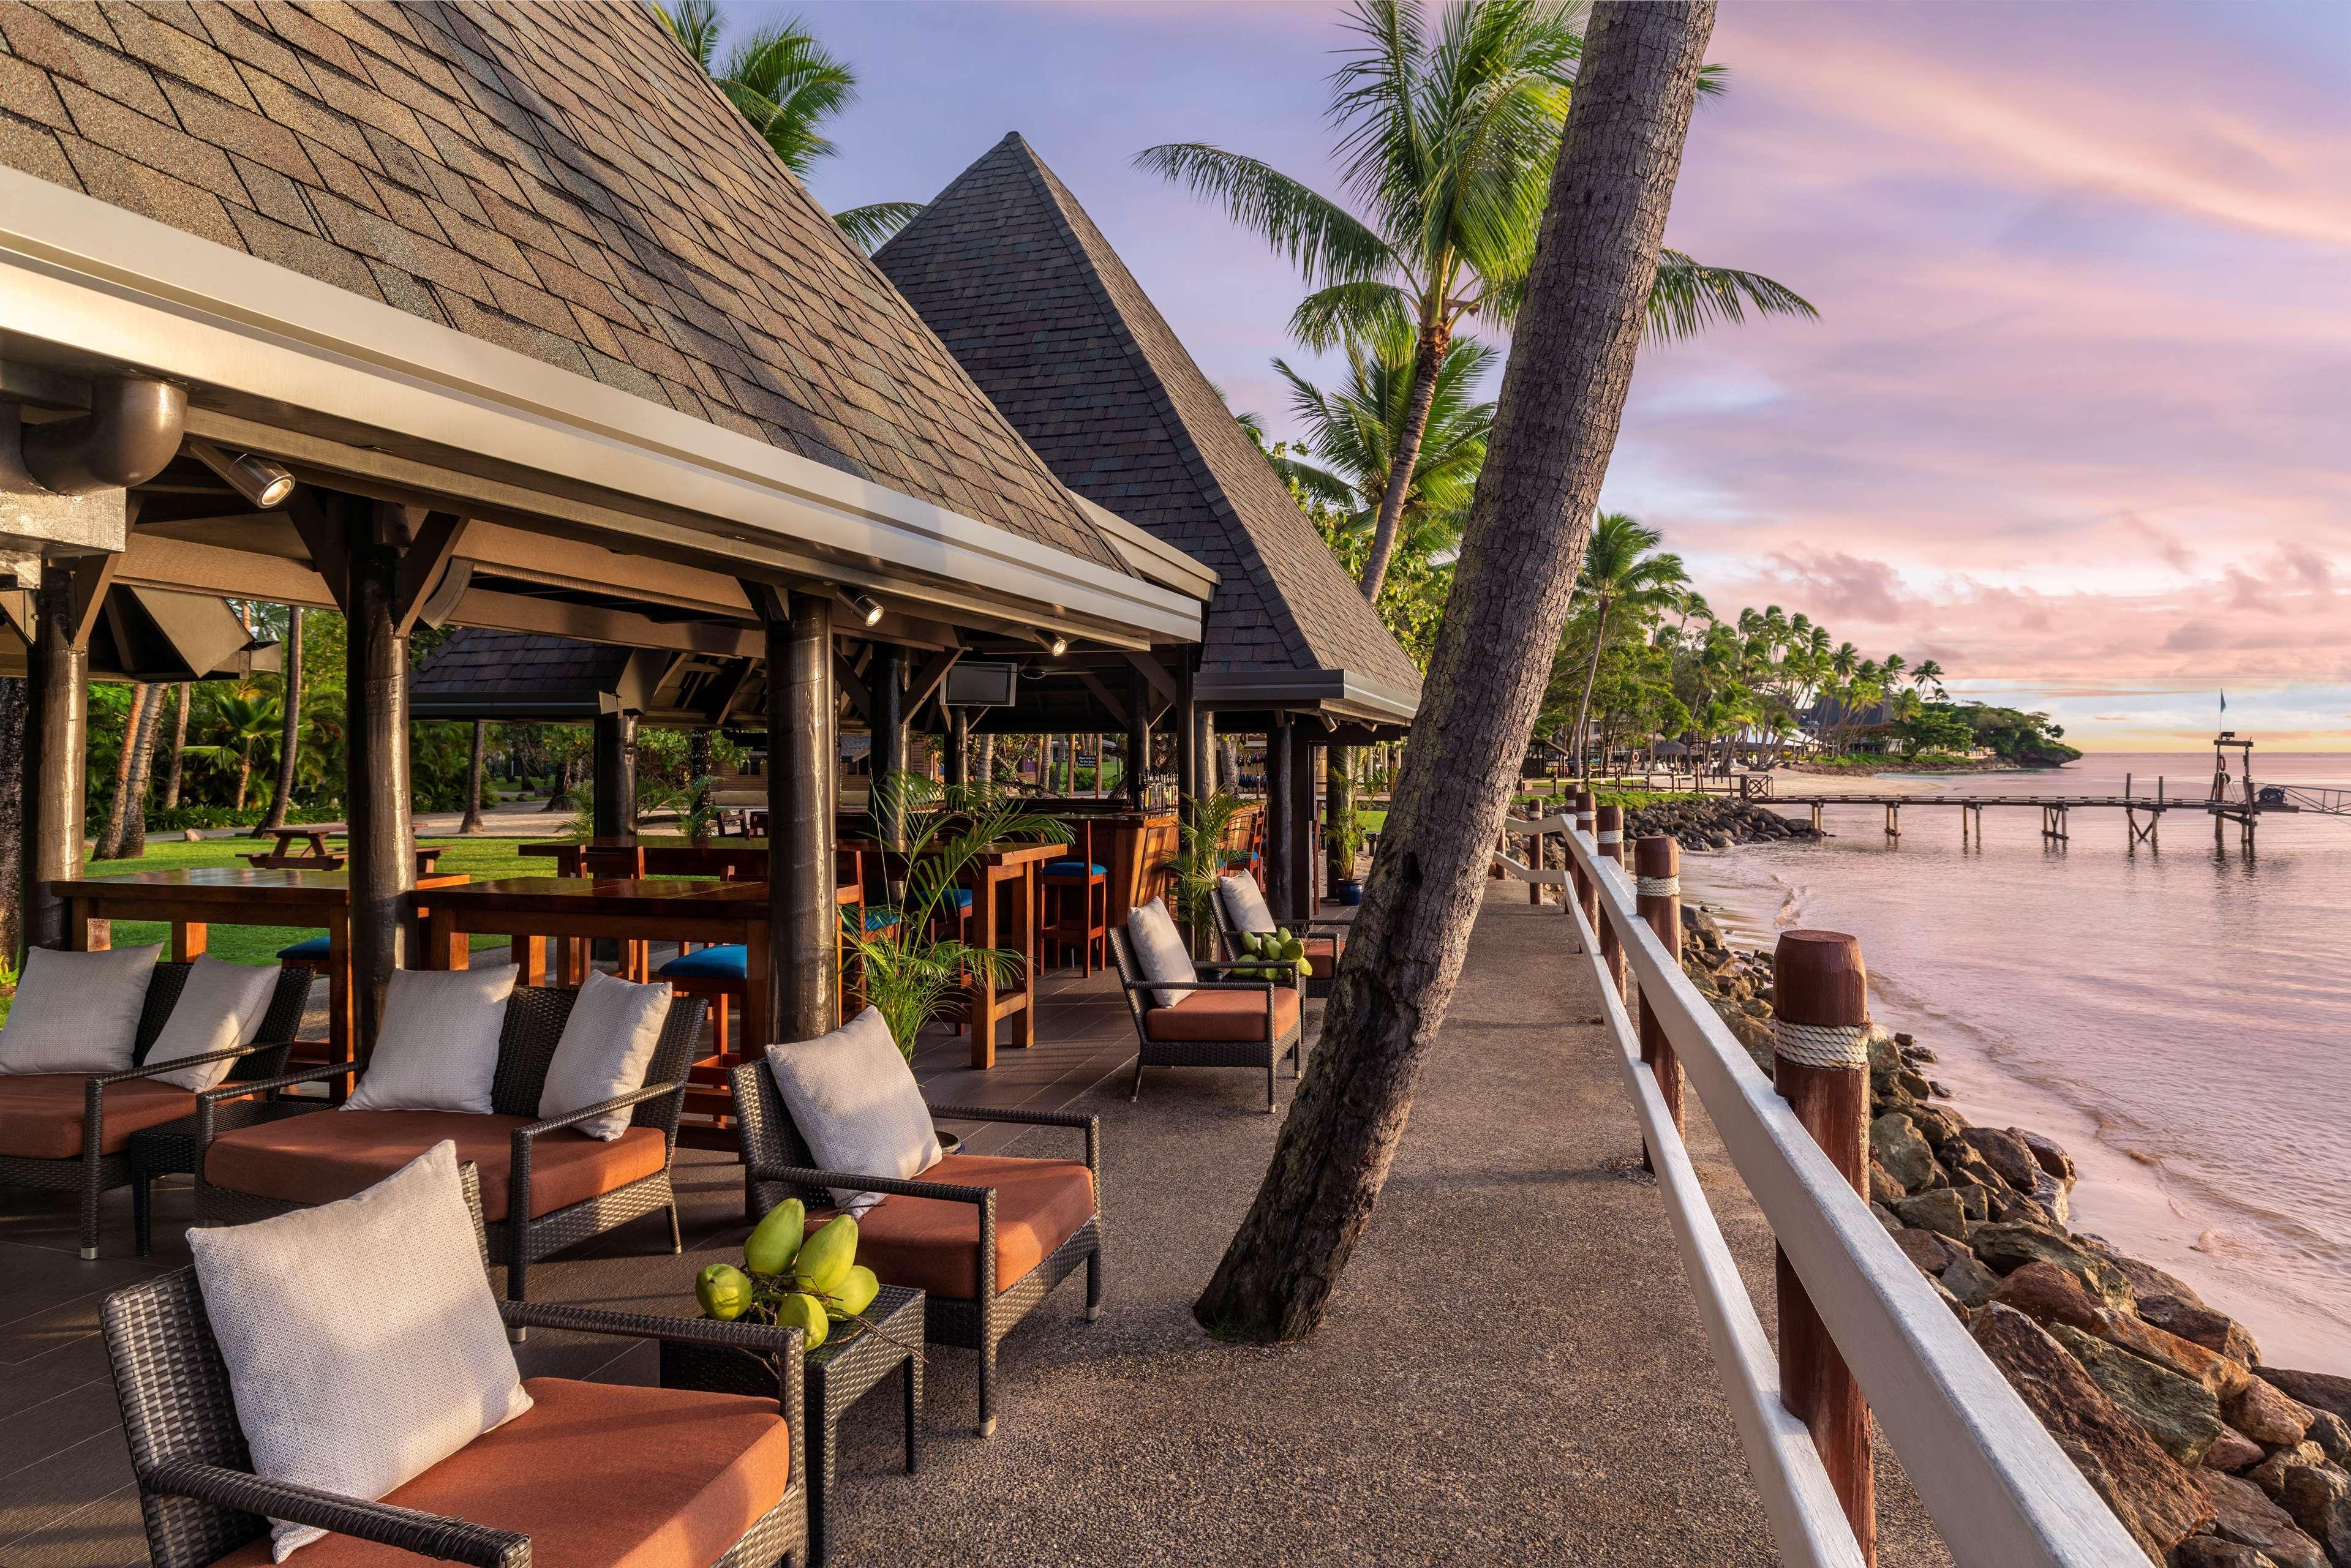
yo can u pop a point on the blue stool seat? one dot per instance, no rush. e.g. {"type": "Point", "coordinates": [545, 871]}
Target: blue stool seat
{"type": "Point", "coordinates": [1074, 868]}
{"type": "Point", "coordinates": [877, 917]}
{"type": "Point", "coordinates": [960, 897]}
{"type": "Point", "coordinates": [318, 948]}
{"type": "Point", "coordinates": [727, 961]}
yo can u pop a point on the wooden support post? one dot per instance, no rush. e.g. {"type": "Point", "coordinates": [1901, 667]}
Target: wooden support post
{"type": "Point", "coordinates": [1302, 822]}
{"type": "Point", "coordinates": [1657, 893]}
{"type": "Point", "coordinates": [55, 756]}
{"type": "Point", "coordinates": [1137, 765]}
{"type": "Point", "coordinates": [616, 774]}
{"type": "Point", "coordinates": [382, 865]}
{"type": "Point", "coordinates": [1610, 836]}
{"type": "Point", "coordinates": [1586, 899]}
{"type": "Point", "coordinates": [802, 998]}
{"type": "Point", "coordinates": [1820, 1000]}
{"type": "Point", "coordinates": [1187, 720]}
{"type": "Point", "coordinates": [958, 755]}
{"type": "Point", "coordinates": [1281, 822]}
{"type": "Point", "coordinates": [886, 679]}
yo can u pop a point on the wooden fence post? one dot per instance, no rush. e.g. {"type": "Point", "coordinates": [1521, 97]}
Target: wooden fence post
{"type": "Point", "coordinates": [1820, 1001]}
{"type": "Point", "coordinates": [1610, 836]}
{"type": "Point", "coordinates": [1583, 809]}
{"type": "Point", "coordinates": [1657, 888]}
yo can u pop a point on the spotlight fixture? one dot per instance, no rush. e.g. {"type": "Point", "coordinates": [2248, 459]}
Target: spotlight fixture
{"type": "Point", "coordinates": [263, 483]}
{"type": "Point", "coordinates": [1053, 643]}
{"type": "Point", "coordinates": [868, 610]}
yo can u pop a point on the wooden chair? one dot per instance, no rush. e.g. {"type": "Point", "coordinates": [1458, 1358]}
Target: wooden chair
{"type": "Point", "coordinates": [548, 1186]}
{"type": "Point", "coordinates": [204, 1508]}
{"type": "Point", "coordinates": [1216, 1023]}
{"type": "Point", "coordinates": [987, 1236]}
{"type": "Point", "coordinates": [65, 1132]}
{"type": "Point", "coordinates": [1083, 883]}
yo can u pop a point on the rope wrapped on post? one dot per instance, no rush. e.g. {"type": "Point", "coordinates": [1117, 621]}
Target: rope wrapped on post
{"type": "Point", "coordinates": [1657, 886]}
{"type": "Point", "coordinates": [1837, 1047]}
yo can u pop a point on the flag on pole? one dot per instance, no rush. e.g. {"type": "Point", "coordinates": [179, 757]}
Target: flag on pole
{"type": "Point", "coordinates": [2224, 702]}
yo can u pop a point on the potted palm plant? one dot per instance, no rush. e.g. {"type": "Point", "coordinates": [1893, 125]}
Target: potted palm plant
{"type": "Point", "coordinates": [907, 972]}
{"type": "Point", "coordinates": [1347, 839]}
{"type": "Point", "coordinates": [1200, 862]}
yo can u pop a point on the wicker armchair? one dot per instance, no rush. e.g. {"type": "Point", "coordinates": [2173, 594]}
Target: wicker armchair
{"type": "Point", "coordinates": [1231, 1035]}
{"type": "Point", "coordinates": [1325, 940]}
{"type": "Point", "coordinates": [303, 1161]}
{"type": "Point", "coordinates": [981, 1307]}
{"type": "Point", "coordinates": [204, 1505]}
{"type": "Point", "coordinates": [44, 1145]}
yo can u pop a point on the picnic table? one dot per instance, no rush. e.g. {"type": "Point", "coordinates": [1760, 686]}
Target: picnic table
{"type": "Point", "coordinates": [190, 901]}
{"type": "Point", "coordinates": [315, 855]}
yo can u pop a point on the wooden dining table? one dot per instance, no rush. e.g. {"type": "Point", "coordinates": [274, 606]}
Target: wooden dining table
{"type": "Point", "coordinates": [1003, 881]}
{"type": "Point", "coordinates": [191, 901]}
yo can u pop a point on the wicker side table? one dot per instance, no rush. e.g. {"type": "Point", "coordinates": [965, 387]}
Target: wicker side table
{"type": "Point", "coordinates": [844, 1369]}
{"type": "Point", "coordinates": [174, 1148]}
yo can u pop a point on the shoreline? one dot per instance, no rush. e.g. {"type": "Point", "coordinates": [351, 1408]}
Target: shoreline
{"type": "Point", "coordinates": [2125, 1197]}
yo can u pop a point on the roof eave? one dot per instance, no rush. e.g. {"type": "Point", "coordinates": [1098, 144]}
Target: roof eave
{"type": "Point", "coordinates": [1346, 691]}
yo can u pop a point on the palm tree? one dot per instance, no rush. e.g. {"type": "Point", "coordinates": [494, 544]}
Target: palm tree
{"type": "Point", "coordinates": [1450, 143]}
{"type": "Point", "coordinates": [1619, 569]}
{"type": "Point", "coordinates": [787, 85]}
{"type": "Point", "coordinates": [110, 837]}
{"type": "Point", "coordinates": [249, 719]}
{"type": "Point", "coordinates": [1928, 673]}
{"type": "Point", "coordinates": [1355, 429]}
{"type": "Point", "coordinates": [181, 695]}
{"type": "Point", "coordinates": [290, 730]}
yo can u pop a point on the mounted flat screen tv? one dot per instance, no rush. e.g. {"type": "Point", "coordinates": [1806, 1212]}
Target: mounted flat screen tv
{"type": "Point", "coordinates": [981, 686]}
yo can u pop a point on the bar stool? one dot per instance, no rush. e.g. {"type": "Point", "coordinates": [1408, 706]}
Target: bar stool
{"type": "Point", "coordinates": [1087, 882]}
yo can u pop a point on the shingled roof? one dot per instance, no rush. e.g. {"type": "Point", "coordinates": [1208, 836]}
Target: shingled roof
{"type": "Point", "coordinates": [1014, 277]}
{"type": "Point", "coordinates": [560, 179]}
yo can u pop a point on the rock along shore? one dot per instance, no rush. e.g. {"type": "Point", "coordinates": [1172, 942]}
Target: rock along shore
{"type": "Point", "coordinates": [1713, 823]}
{"type": "Point", "coordinates": [2208, 1457]}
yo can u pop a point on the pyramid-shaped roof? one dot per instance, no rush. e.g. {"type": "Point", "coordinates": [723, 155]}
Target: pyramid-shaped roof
{"type": "Point", "coordinates": [560, 179]}
{"type": "Point", "coordinates": [1022, 287]}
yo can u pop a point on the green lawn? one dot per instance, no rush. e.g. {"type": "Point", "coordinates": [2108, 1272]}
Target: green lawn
{"type": "Point", "coordinates": [481, 859]}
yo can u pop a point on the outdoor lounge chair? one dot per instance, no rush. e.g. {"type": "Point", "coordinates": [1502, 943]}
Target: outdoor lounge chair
{"type": "Point", "coordinates": [1325, 939]}
{"type": "Point", "coordinates": [567, 1186]}
{"type": "Point", "coordinates": [987, 1236]}
{"type": "Point", "coordinates": [1217, 1023]}
{"type": "Point", "coordinates": [570, 1462]}
{"type": "Point", "coordinates": [63, 1131]}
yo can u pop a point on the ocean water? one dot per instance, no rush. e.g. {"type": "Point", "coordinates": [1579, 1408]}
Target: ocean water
{"type": "Point", "coordinates": [2180, 1017]}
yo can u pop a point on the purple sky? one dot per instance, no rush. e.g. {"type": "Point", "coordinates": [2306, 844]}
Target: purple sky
{"type": "Point", "coordinates": [2075, 420]}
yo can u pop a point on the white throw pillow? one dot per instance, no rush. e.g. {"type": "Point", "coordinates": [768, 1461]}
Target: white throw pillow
{"type": "Point", "coordinates": [220, 1008]}
{"type": "Point", "coordinates": [363, 1344]}
{"type": "Point", "coordinates": [438, 1047]}
{"type": "Point", "coordinates": [1245, 902]}
{"type": "Point", "coordinates": [608, 1042]}
{"type": "Point", "coordinates": [855, 1100]}
{"type": "Point", "coordinates": [78, 1012]}
{"type": "Point", "coordinates": [1159, 948]}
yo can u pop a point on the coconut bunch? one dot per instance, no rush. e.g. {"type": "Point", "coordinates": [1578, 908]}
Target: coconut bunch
{"type": "Point", "coordinates": [1280, 955]}
{"type": "Point", "coordinates": [791, 1278]}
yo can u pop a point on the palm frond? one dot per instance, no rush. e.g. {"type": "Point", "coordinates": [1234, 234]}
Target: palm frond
{"type": "Point", "coordinates": [1688, 297]}
{"type": "Point", "coordinates": [1344, 311]}
{"type": "Point", "coordinates": [695, 24]}
{"type": "Point", "coordinates": [1327, 243]}
{"type": "Point", "coordinates": [870, 227]}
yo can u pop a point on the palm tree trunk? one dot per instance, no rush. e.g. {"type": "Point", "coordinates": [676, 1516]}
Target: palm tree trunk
{"type": "Point", "coordinates": [143, 767]}
{"type": "Point", "coordinates": [1434, 336]}
{"type": "Point", "coordinates": [290, 736]}
{"type": "Point", "coordinates": [472, 822]}
{"type": "Point", "coordinates": [1562, 400]}
{"type": "Point", "coordinates": [179, 746]}
{"type": "Point", "coordinates": [1591, 677]}
{"type": "Point", "coordinates": [244, 772]}
{"type": "Point", "coordinates": [109, 838]}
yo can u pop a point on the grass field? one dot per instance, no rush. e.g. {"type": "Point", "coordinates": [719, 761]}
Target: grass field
{"type": "Point", "coordinates": [481, 859]}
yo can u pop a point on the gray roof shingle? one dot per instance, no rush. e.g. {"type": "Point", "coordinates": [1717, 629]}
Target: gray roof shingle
{"type": "Point", "coordinates": [1020, 286]}
{"type": "Point", "coordinates": [558, 179]}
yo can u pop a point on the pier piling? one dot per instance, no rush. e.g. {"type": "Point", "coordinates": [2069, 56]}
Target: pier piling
{"type": "Point", "coordinates": [1610, 840]}
{"type": "Point", "coordinates": [1820, 1000]}
{"type": "Point", "coordinates": [1658, 894]}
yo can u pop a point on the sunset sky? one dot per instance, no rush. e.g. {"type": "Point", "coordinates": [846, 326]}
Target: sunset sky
{"type": "Point", "coordinates": [2076, 421]}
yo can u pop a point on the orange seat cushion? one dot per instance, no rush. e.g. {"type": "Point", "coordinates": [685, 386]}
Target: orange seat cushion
{"type": "Point", "coordinates": [599, 1475]}
{"type": "Point", "coordinates": [1324, 951]}
{"type": "Point", "coordinates": [40, 1113]}
{"type": "Point", "coordinates": [334, 1153]}
{"type": "Point", "coordinates": [1236, 1016]}
{"type": "Point", "coordinates": [933, 1243]}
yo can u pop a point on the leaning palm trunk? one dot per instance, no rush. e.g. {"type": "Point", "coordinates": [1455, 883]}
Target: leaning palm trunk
{"type": "Point", "coordinates": [1427, 359]}
{"type": "Point", "coordinates": [472, 822]}
{"type": "Point", "coordinates": [109, 838]}
{"type": "Point", "coordinates": [133, 843]}
{"type": "Point", "coordinates": [1562, 400]}
{"type": "Point", "coordinates": [179, 746]}
{"type": "Point", "coordinates": [1591, 677]}
{"type": "Point", "coordinates": [290, 734]}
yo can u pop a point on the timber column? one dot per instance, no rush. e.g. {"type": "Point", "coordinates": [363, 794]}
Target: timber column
{"type": "Point", "coordinates": [57, 741]}
{"type": "Point", "coordinates": [1281, 822]}
{"type": "Point", "coordinates": [1186, 720]}
{"type": "Point", "coordinates": [1137, 767]}
{"type": "Point", "coordinates": [887, 684]}
{"type": "Point", "coordinates": [1302, 822]}
{"type": "Point", "coordinates": [801, 918]}
{"type": "Point", "coordinates": [382, 867]}
{"type": "Point", "coordinates": [616, 774]}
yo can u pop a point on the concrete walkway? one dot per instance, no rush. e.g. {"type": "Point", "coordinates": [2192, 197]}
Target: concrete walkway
{"type": "Point", "coordinates": [1511, 1371]}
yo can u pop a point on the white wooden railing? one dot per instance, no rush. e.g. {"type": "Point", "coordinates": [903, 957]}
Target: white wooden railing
{"type": "Point", "coordinates": [2002, 1492]}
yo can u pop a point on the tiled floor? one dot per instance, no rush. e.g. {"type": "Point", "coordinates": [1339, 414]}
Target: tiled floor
{"type": "Point", "coordinates": [67, 1499]}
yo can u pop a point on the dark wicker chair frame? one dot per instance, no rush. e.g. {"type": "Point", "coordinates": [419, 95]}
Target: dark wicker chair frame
{"type": "Point", "coordinates": [93, 1172]}
{"type": "Point", "coordinates": [201, 1499]}
{"type": "Point", "coordinates": [1264, 1053]}
{"type": "Point", "coordinates": [534, 1025]}
{"type": "Point", "coordinates": [781, 1167]}
{"type": "Point", "coordinates": [1318, 984]}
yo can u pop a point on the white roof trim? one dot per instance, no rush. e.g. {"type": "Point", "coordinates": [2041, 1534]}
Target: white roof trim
{"type": "Point", "coordinates": [81, 274]}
